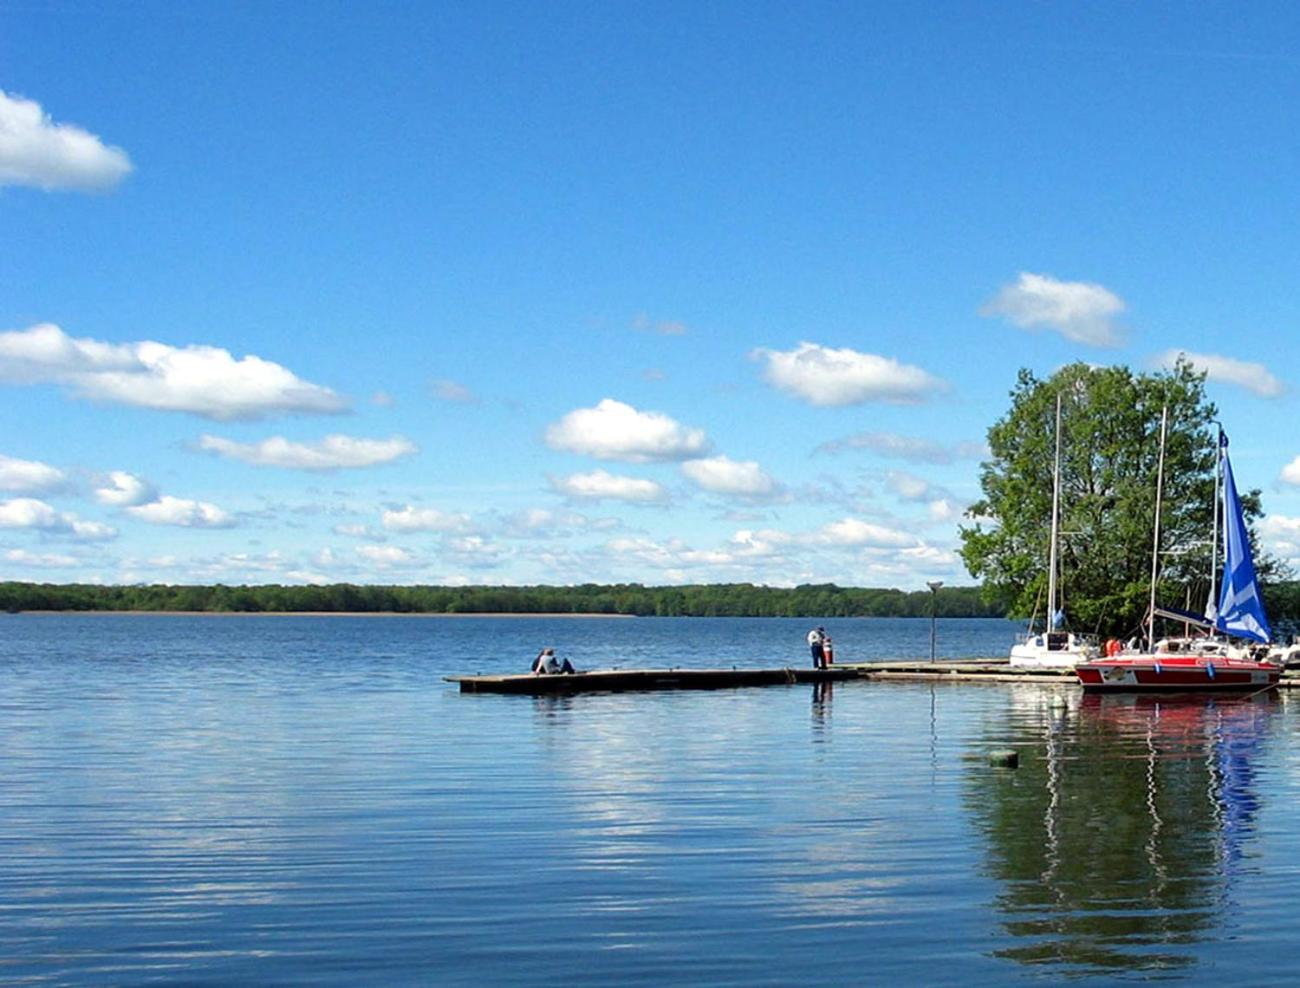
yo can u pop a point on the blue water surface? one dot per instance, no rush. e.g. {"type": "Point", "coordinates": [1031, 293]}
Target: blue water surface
{"type": "Point", "coordinates": [304, 800]}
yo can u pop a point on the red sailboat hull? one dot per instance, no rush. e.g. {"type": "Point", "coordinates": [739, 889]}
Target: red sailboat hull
{"type": "Point", "coordinates": [1175, 674]}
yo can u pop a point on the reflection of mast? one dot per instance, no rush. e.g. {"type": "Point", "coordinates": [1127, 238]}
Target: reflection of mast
{"type": "Point", "coordinates": [1051, 816]}
{"type": "Point", "coordinates": [1153, 842]}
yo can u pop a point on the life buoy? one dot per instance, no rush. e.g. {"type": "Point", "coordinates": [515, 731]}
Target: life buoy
{"type": "Point", "coordinates": [1112, 647]}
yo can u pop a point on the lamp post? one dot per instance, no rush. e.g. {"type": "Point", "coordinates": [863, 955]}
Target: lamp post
{"type": "Point", "coordinates": [934, 586]}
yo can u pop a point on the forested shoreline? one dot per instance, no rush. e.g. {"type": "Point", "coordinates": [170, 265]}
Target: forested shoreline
{"type": "Point", "coordinates": [704, 600]}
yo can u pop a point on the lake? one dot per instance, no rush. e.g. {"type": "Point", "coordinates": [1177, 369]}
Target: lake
{"type": "Point", "coordinates": [303, 800]}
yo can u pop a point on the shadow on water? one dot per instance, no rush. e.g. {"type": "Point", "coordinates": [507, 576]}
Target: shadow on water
{"type": "Point", "coordinates": [1117, 839]}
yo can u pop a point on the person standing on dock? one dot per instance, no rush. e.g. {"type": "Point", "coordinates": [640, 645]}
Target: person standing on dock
{"type": "Point", "coordinates": [816, 638]}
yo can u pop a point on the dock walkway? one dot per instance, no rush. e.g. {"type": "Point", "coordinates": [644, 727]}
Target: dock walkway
{"type": "Point", "coordinates": [622, 680]}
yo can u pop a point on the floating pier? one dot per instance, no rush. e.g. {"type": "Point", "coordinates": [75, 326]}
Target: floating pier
{"type": "Point", "coordinates": [624, 680]}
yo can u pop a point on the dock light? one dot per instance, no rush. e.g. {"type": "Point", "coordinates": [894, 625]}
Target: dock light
{"type": "Point", "coordinates": [934, 586]}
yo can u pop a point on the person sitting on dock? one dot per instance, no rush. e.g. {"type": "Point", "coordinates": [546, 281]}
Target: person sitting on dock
{"type": "Point", "coordinates": [546, 664]}
{"type": "Point", "coordinates": [816, 638]}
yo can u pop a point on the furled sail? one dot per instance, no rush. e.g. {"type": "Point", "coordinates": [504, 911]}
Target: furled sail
{"type": "Point", "coordinates": [1241, 609]}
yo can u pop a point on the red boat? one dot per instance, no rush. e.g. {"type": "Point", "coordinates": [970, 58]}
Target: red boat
{"type": "Point", "coordinates": [1181, 665]}
{"type": "Point", "coordinates": [1176, 674]}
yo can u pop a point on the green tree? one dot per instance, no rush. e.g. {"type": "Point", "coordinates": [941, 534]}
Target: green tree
{"type": "Point", "coordinates": [1110, 447]}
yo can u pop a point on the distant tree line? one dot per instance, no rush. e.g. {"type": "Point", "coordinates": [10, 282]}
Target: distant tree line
{"type": "Point", "coordinates": [709, 600]}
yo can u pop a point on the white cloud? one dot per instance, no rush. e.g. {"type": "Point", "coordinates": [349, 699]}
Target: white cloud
{"type": "Point", "coordinates": [1290, 475]}
{"type": "Point", "coordinates": [124, 489]}
{"type": "Point", "coordinates": [28, 512]}
{"type": "Point", "coordinates": [412, 519]}
{"type": "Point", "coordinates": [445, 389]}
{"type": "Point", "coordinates": [334, 452]}
{"type": "Point", "coordinates": [29, 476]}
{"type": "Point", "coordinates": [1079, 311]}
{"type": "Point", "coordinates": [542, 523]}
{"type": "Point", "coordinates": [1255, 378]}
{"type": "Point", "coordinates": [385, 556]}
{"type": "Point", "coordinates": [829, 377]}
{"type": "Point", "coordinates": [616, 431]}
{"type": "Point", "coordinates": [201, 380]}
{"type": "Point", "coordinates": [475, 552]}
{"type": "Point", "coordinates": [36, 151]}
{"type": "Point", "coordinates": [855, 532]}
{"type": "Point", "coordinates": [722, 475]}
{"type": "Point", "coordinates": [908, 486]}
{"type": "Point", "coordinates": [913, 448]}
{"type": "Point", "coordinates": [600, 485]}
{"type": "Point", "coordinates": [360, 532]}
{"type": "Point", "coordinates": [168, 510]}
{"type": "Point", "coordinates": [43, 560]}
{"type": "Point", "coordinates": [664, 327]}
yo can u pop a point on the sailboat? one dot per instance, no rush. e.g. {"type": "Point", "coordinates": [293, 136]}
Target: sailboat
{"type": "Point", "coordinates": [1055, 648]}
{"type": "Point", "coordinates": [1199, 664]}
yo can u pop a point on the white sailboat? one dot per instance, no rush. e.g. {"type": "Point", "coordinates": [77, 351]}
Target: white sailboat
{"type": "Point", "coordinates": [1054, 648]}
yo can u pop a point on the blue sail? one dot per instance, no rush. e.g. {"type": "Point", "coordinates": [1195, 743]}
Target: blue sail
{"type": "Point", "coordinates": [1241, 610]}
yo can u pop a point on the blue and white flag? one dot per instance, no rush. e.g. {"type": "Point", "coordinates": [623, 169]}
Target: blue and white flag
{"type": "Point", "coordinates": [1241, 610]}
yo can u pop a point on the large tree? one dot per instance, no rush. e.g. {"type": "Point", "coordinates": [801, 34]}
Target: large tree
{"type": "Point", "coordinates": [1110, 445]}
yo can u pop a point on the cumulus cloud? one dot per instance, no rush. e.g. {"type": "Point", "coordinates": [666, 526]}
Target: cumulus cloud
{"type": "Point", "coordinates": [201, 380]}
{"type": "Point", "coordinates": [1079, 311]}
{"type": "Point", "coordinates": [616, 431]}
{"type": "Point", "coordinates": [1290, 475]}
{"type": "Point", "coordinates": [36, 151]}
{"type": "Point", "coordinates": [912, 448]}
{"type": "Point", "coordinates": [829, 377]}
{"type": "Point", "coordinates": [722, 475]}
{"type": "Point", "coordinates": [31, 513]}
{"type": "Point", "coordinates": [601, 485]}
{"type": "Point", "coordinates": [123, 490]}
{"type": "Point", "coordinates": [542, 523]}
{"type": "Point", "coordinates": [360, 532]}
{"type": "Point", "coordinates": [385, 556]}
{"type": "Point", "coordinates": [1255, 378]}
{"type": "Point", "coordinates": [856, 532]}
{"type": "Point", "coordinates": [908, 486]}
{"type": "Point", "coordinates": [412, 519]}
{"type": "Point", "coordinates": [445, 389]}
{"type": "Point", "coordinates": [29, 476]}
{"type": "Point", "coordinates": [664, 327]}
{"type": "Point", "coordinates": [43, 560]}
{"type": "Point", "coordinates": [182, 512]}
{"type": "Point", "coordinates": [334, 452]}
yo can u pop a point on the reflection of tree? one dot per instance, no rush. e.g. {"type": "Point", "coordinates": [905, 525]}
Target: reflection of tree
{"type": "Point", "coordinates": [1115, 838]}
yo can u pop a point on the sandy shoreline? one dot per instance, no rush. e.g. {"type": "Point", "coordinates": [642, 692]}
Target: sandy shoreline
{"type": "Point", "coordinates": [365, 614]}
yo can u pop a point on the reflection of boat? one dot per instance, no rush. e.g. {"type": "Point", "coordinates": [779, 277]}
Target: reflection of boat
{"type": "Point", "coordinates": [1116, 844]}
{"type": "Point", "coordinates": [1199, 664]}
{"type": "Point", "coordinates": [1054, 648]}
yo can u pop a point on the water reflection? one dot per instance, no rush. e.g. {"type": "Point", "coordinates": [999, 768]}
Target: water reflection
{"type": "Point", "coordinates": [1117, 839]}
{"type": "Point", "coordinates": [822, 695]}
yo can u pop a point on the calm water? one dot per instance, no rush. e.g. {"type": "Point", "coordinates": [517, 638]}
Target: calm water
{"type": "Point", "coordinates": [304, 800]}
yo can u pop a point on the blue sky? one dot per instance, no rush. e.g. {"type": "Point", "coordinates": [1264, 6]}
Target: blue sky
{"type": "Point", "coordinates": [557, 293]}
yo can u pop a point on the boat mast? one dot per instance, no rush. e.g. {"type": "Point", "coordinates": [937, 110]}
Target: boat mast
{"type": "Point", "coordinates": [1212, 606]}
{"type": "Point", "coordinates": [1155, 541]}
{"type": "Point", "coordinates": [1056, 521]}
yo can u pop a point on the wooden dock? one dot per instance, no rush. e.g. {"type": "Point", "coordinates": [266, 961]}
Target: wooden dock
{"type": "Point", "coordinates": [623, 680]}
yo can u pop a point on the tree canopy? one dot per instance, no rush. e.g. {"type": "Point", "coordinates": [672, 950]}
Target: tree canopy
{"type": "Point", "coordinates": [1110, 446]}
{"type": "Point", "coordinates": [708, 600]}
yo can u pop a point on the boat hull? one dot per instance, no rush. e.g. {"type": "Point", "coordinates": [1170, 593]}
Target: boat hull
{"type": "Point", "coordinates": [1182, 674]}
